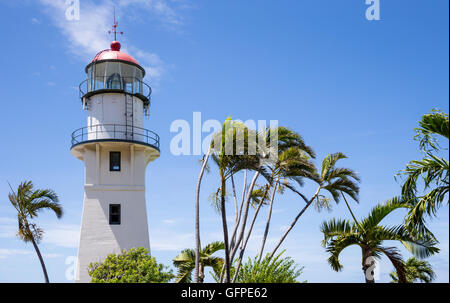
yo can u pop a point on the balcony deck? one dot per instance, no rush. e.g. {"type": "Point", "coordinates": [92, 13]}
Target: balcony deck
{"type": "Point", "coordinates": [115, 133]}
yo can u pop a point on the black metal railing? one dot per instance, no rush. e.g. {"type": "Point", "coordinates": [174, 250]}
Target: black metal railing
{"type": "Point", "coordinates": [115, 82]}
{"type": "Point", "coordinates": [115, 132]}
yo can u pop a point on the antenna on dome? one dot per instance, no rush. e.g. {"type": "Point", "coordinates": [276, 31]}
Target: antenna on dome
{"type": "Point", "coordinates": [114, 27]}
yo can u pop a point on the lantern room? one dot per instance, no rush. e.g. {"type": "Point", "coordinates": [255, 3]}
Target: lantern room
{"type": "Point", "coordinates": [115, 71]}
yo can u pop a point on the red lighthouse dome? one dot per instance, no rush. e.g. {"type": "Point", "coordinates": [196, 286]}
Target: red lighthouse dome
{"type": "Point", "coordinates": [114, 54]}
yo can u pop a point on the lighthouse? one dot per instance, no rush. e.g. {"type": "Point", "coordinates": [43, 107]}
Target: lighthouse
{"type": "Point", "coordinates": [116, 149]}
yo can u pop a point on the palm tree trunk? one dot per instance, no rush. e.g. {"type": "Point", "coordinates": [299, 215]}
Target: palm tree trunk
{"type": "Point", "coordinates": [236, 225]}
{"type": "Point", "coordinates": [201, 274]}
{"type": "Point", "coordinates": [351, 212]}
{"type": "Point", "coordinates": [236, 212]}
{"type": "Point", "coordinates": [368, 266]}
{"type": "Point", "coordinates": [245, 215]}
{"type": "Point", "coordinates": [224, 226]}
{"type": "Point", "coordinates": [269, 216]}
{"type": "Point", "coordinates": [244, 245]}
{"type": "Point", "coordinates": [197, 218]}
{"type": "Point", "coordinates": [238, 267]}
{"type": "Point", "coordinates": [294, 222]}
{"type": "Point", "coordinates": [40, 259]}
{"type": "Point", "coordinates": [244, 220]}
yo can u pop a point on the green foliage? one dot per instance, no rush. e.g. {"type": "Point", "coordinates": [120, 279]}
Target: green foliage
{"type": "Point", "coordinates": [132, 266]}
{"type": "Point", "coordinates": [321, 203]}
{"type": "Point", "coordinates": [426, 181]}
{"type": "Point", "coordinates": [28, 203]}
{"type": "Point", "coordinates": [369, 235]}
{"type": "Point", "coordinates": [233, 148]}
{"type": "Point", "coordinates": [432, 125]}
{"type": "Point", "coordinates": [338, 180]}
{"type": "Point", "coordinates": [416, 270]}
{"type": "Point", "coordinates": [185, 262]}
{"type": "Point", "coordinates": [275, 270]}
{"type": "Point", "coordinates": [259, 195]}
{"type": "Point", "coordinates": [293, 162]}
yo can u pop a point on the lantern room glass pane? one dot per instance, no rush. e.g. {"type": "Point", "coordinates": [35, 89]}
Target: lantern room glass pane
{"type": "Point", "coordinates": [112, 75]}
{"type": "Point", "coordinates": [115, 75]}
{"type": "Point", "coordinates": [128, 74]}
{"type": "Point", "coordinates": [99, 70]}
{"type": "Point", "coordinates": [90, 82]}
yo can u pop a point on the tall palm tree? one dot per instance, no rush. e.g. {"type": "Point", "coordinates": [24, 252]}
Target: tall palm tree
{"type": "Point", "coordinates": [332, 179]}
{"type": "Point", "coordinates": [232, 157]}
{"type": "Point", "coordinates": [369, 235]}
{"type": "Point", "coordinates": [288, 160]}
{"type": "Point", "coordinates": [431, 173]}
{"type": "Point", "coordinates": [28, 203]}
{"type": "Point", "coordinates": [185, 262]}
{"type": "Point", "coordinates": [416, 270]}
{"type": "Point", "coordinates": [197, 217]}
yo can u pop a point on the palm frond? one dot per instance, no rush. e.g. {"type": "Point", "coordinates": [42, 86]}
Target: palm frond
{"type": "Point", "coordinates": [396, 259]}
{"type": "Point", "coordinates": [379, 212]}
{"type": "Point", "coordinates": [345, 185]}
{"type": "Point", "coordinates": [336, 246]}
{"type": "Point", "coordinates": [433, 124]}
{"type": "Point", "coordinates": [329, 161]}
{"type": "Point", "coordinates": [212, 248]}
{"type": "Point", "coordinates": [420, 247]}
{"type": "Point", "coordinates": [44, 199]}
{"type": "Point", "coordinates": [336, 228]}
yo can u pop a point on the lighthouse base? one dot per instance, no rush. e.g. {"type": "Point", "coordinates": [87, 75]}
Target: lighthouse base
{"type": "Point", "coordinates": [99, 237]}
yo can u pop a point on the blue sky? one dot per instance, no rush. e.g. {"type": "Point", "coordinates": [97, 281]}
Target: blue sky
{"type": "Point", "coordinates": [319, 67]}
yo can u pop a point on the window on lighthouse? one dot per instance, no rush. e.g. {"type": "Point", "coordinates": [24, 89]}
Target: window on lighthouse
{"type": "Point", "coordinates": [114, 161]}
{"type": "Point", "coordinates": [114, 214]}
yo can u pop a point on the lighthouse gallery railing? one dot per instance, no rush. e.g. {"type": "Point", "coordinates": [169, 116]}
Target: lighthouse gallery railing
{"type": "Point", "coordinates": [115, 132]}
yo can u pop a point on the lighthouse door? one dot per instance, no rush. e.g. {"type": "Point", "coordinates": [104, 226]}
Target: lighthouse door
{"type": "Point", "coordinates": [129, 125]}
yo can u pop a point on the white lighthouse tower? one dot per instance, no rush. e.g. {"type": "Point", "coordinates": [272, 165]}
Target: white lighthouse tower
{"type": "Point", "coordinates": [115, 149]}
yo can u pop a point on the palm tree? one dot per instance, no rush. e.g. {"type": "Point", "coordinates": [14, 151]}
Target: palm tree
{"type": "Point", "coordinates": [197, 216]}
{"type": "Point", "coordinates": [332, 179]}
{"type": "Point", "coordinates": [416, 270]}
{"type": "Point", "coordinates": [28, 203]}
{"type": "Point", "coordinates": [369, 235]}
{"type": "Point", "coordinates": [293, 163]}
{"type": "Point", "coordinates": [232, 157]}
{"type": "Point", "coordinates": [290, 161]}
{"type": "Point", "coordinates": [432, 170]}
{"type": "Point", "coordinates": [185, 262]}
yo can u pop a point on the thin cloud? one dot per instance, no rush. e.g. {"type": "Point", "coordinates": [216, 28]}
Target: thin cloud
{"type": "Point", "coordinates": [88, 36]}
{"type": "Point", "coordinates": [52, 256]}
{"type": "Point", "coordinates": [170, 241]}
{"type": "Point", "coordinates": [8, 227]}
{"type": "Point", "coordinates": [5, 252]}
{"type": "Point", "coordinates": [63, 235]}
{"type": "Point", "coordinates": [7, 220]}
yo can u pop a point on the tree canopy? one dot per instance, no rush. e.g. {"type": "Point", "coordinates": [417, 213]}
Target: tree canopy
{"type": "Point", "coordinates": [131, 266]}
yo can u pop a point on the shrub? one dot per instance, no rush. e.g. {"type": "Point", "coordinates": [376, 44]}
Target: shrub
{"type": "Point", "coordinates": [268, 270]}
{"type": "Point", "coordinates": [132, 266]}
